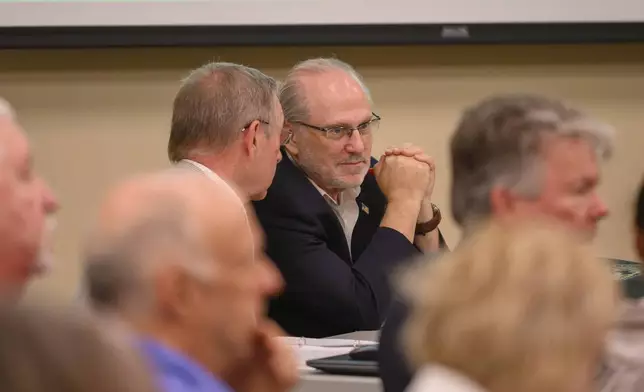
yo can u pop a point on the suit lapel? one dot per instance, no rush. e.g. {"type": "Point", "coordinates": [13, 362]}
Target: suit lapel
{"type": "Point", "coordinates": [317, 205]}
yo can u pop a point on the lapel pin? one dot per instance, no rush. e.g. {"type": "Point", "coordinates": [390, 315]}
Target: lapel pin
{"type": "Point", "coordinates": [364, 208]}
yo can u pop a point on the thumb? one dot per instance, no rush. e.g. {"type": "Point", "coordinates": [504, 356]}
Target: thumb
{"type": "Point", "coordinates": [378, 166]}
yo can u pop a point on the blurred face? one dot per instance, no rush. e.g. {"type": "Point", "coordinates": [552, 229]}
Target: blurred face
{"type": "Point", "coordinates": [235, 299]}
{"type": "Point", "coordinates": [268, 153]}
{"type": "Point", "coordinates": [334, 100]}
{"type": "Point", "coordinates": [25, 204]}
{"type": "Point", "coordinates": [569, 187]}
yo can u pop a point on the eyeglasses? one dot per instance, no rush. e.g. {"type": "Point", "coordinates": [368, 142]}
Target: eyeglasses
{"type": "Point", "coordinates": [245, 127]}
{"type": "Point", "coordinates": [339, 132]}
{"type": "Point", "coordinates": [285, 136]}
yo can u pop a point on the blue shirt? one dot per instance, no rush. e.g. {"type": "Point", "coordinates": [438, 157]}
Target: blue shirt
{"type": "Point", "coordinates": [174, 372]}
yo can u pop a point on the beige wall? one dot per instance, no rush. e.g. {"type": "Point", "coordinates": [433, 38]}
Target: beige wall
{"type": "Point", "coordinates": [95, 116]}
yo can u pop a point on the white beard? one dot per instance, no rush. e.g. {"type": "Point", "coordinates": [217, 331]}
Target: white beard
{"type": "Point", "coordinates": [45, 260]}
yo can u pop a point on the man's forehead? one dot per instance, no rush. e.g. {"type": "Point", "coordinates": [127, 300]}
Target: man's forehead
{"type": "Point", "coordinates": [330, 84]}
{"type": "Point", "coordinates": [335, 97]}
{"type": "Point", "coordinates": [571, 156]}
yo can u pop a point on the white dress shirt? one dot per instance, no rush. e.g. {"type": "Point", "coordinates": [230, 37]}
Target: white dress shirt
{"type": "Point", "coordinates": [345, 208]}
{"type": "Point", "coordinates": [213, 176]}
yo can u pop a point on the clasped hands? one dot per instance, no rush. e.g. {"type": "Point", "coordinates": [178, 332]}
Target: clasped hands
{"type": "Point", "coordinates": [406, 173]}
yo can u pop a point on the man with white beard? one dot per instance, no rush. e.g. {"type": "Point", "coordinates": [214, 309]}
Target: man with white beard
{"type": "Point", "coordinates": [27, 206]}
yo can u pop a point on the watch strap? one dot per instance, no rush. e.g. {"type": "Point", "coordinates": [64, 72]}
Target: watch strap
{"type": "Point", "coordinates": [431, 225]}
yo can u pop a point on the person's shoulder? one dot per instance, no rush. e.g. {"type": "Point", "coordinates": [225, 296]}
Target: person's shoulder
{"type": "Point", "coordinates": [289, 179]}
{"type": "Point", "coordinates": [169, 382]}
{"type": "Point", "coordinates": [291, 198]}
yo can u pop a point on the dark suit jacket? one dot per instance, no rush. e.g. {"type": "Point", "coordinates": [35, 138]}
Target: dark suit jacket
{"type": "Point", "coordinates": [395, 372]}
{"type": "Point", "coordinates": [329, 291]}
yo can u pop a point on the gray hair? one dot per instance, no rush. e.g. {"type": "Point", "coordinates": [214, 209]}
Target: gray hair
{"type": "Point", "coordinates": [498, 142]}
{"type": "Point", "coordinates": [214, 102]}
{"type": "Point", "coordinates": [118, 266]}
{"type": "Point", "coordinates": [291, 96]}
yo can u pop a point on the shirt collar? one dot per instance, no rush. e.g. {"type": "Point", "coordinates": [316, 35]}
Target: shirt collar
{"type": "Point", "coordinates": [170, 363]}
{"type": "Point", "coordinates": [201, 168]}
{"type": "Point", "coordinates": [349, 194]}
{"type": "Point", "coordinates": [215, 177]}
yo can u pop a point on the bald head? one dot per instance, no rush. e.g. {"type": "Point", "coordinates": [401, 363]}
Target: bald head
{"type": "Point", "coordinates": [171, 192]}
{"type": "Point", "coordinates": [178, 256]}
{"type": "Point", "coordinates": [172, 217]}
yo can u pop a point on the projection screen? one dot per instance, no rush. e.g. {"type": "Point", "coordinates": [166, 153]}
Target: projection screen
{"type": "Point", "coordinates": [318, 21]}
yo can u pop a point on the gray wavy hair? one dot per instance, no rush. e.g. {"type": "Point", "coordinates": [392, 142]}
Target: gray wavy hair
{"type": "Point", "coordinates": [498, 142]}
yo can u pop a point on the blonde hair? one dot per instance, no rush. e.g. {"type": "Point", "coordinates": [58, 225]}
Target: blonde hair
{"type": "Point", "coordinates": [512, 308]}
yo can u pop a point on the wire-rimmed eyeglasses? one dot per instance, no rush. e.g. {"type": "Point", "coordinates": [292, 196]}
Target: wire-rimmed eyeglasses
{"type": "Point", "coordinates": [285, 135]}
{"type": "Point", "coordinates": [339, 132]}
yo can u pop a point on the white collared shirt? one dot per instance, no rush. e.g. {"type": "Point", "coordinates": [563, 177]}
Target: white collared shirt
{"type": "Point", "coordinates": [215, 177]}
{"type": "Point", "coordinates": [345, 208]}
{"type": "Point", "coordinates": [205, 170]}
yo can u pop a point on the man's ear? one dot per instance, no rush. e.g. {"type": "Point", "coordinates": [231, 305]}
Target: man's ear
{"type": "Point", "coordinates": [249, 138]}
{"type": "Point", "coordinates": [503, 203]}
{"type": "Point", "coordinates": [291, 147]}
{"type": "Point", "coordinates": [174, 290]}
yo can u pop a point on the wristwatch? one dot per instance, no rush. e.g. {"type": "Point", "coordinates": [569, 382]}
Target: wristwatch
{"type": "Point", "coordinates": [431, 225]}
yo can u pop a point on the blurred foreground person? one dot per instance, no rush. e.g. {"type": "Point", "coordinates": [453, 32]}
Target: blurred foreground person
{"type": "Point", "coordinates": [513, 308]}
{"type": "Point", "coordinates": [176, 257]}
{"type": "Point", "coordinates": [516, 158]}
{"type": "Point", "coordinates": [27, 206]}
{"type": "Point", "coordinates": [48, 350]}
{"type": "Point", "coordinates": [624, 364]}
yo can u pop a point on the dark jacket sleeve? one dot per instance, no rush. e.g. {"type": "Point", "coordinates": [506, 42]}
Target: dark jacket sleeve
{"type": "Point", "coordinates": [394, 371]}
{"type": "Point", "coordinates": [344, 296]}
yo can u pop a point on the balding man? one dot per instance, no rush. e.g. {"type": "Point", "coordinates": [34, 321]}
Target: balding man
{"type": "Point", "coordinates": [26, 203]}
{"type": "Point", "coordinates": [227, 122]}
{"type": "Point", "coordinates": [176, 256]}
{"type": "Point", "coordinates": [335, 229]}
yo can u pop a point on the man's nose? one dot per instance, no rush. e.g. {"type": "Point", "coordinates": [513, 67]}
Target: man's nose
{"type": "Point", "coordinates": [599, 208]}
{"type": "Point", "coordinates": [50, 203]}
{"type": "Point", "coordinates": [355, 143]}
